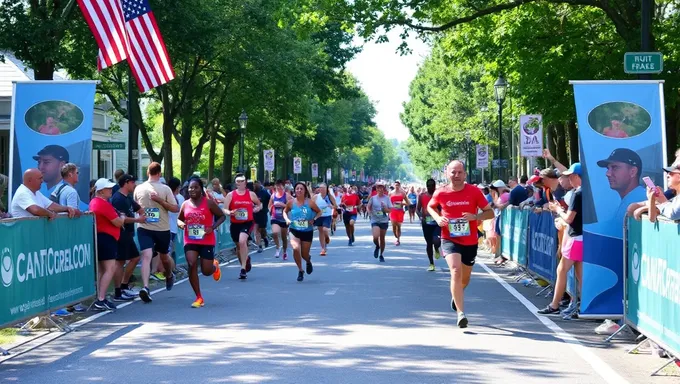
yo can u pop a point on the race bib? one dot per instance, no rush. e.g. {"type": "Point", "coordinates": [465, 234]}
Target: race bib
{"type": "Point", "coordinates": [241, 214]}
{"type": "Point", "coordinates": [196, 231]}
{"type": "Point", "coordinates": [429, 220]}
{"type": "Point", "coordinates": [301, 223]}
{"type": "Point", "coordinates": [459, 227]}
{"type": "Point", "coordinates": [379, 213]}
{"type": "Point", "coordinates": [153, 215]}
{"type": "Point", "coordinates": [349, 208]}
{"type": "Point", "coordinates": [398, 205]}
{"type": "Point", "coordinates": [278, 211]}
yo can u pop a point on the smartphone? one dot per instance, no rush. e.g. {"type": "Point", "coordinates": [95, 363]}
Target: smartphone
{"type": "Point", "coordinates": [650, 184]}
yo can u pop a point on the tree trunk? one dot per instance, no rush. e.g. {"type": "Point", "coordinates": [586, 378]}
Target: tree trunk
{"type": "Point", "coordinates": [572, 132]}
{"type": "Point", "coordinates": [561, 142]}
{"type": "Point", "coordinates": [228, 161]}
{"type": "Point", "coordinates": [185, 149]}
{"type": "Point", "coordinates": [44, 70]}
{"type": "Point", "coordinates": [213, 148]}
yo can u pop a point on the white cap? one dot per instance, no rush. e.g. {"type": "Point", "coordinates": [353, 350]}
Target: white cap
{"type": "Point", "coordinates": [103, 183]}
{"type": "Point", "coordinates": [499, 184]}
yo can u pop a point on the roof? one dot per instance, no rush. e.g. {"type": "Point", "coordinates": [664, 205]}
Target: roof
{"type": "Point", "coordinates": [14, 69]}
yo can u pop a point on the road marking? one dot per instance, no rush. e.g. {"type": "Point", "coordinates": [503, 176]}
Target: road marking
{"type": "Point", "coordinates": [331, 292]}
{"type": "Point", "coordinates": [602, 368]}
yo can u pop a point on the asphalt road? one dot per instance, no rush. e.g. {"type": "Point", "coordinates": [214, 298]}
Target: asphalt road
{"type": "Point", "coordinates": [354, 320]}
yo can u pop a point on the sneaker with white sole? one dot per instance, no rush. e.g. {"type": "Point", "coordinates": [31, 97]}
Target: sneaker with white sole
{"type": "Point", "coordinates": [462, 320]}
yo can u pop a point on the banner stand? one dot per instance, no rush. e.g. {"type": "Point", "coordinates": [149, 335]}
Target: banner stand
{"type": "Point", "coordinates": [625, 288]}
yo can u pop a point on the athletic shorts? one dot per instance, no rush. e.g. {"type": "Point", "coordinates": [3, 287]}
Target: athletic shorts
{"type": "Point", "coordinates": [107, 247]}
{"type": "Point", "coordinates": [412, 207]}
{"type": "Point", "coordinates": [158, 240]}
{"type": "Point", "coordinates": [204, 251]}
{"type": "Point", "coordinates": [382, 226]}
{"type": "Point", "coordinates": [347, 217]}
{"type": "Point", "coordinates": [431, 232]}
{"type": "Point", "coordinates": [127, 249]}
{"type": "Point", "coordinates": [304, 236]}
{"type": "Point", "coordinates": [468, 253]}
{"type": "Point", "coordinates": [261, 219]}
{"type": "Point", "coordinates": [572, 249]}
{"type": "Point", "coordinates": [236, 229]}
{"type": "Point", "coordinates": [280, 223]}
{"type": "Point", "coordinates": [323, 221]}
{"type": "Point", "coordinates": [397, 216]}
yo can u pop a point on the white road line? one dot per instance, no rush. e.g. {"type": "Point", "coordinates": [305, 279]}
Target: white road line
{"type": "Point", "coordinates": [602, 368]}
{"type": "Point", "coordinates": [331, 292]}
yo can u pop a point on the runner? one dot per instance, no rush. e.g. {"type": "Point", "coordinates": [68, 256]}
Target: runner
{"type": "Point", "coordinates": [459, 203]}
{"type": "Point", "coordinates": [412, 198]}
{"type": "Point", "coordinates": [338, 211]}
{"type": "Point", "coordinates": [399, 200]}
{"type": "Point", "coordinates": [350, 203]}
{"type": "Point", "coordinates": [157, 200]}
{"type": "Point", "coordinates": [379, 207]}
{"type": "Point", "coordinates": [242, 204]}
{"type": "Point", "coordinates": [197, 219]}
{"type": "Point", "coordinates": [277, 203]}
{"type": "Point", "coordinates": [326, 203]}
{"type": "Point", "coordinates": [431, 230]}
{"type": "Point", "coordinates": [364, 201]}
{"type": "Point", "coordinates": [300, 214]}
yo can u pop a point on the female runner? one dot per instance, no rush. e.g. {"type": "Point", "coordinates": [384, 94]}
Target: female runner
{"type": "Point", "coordinates": [412, 197]}
{"type": "Point", "coordinates": [327, 204]}
{"type": "Point", "coordinates": [300, 214]}
{"type": "Point", "coordinates": [277, 204]}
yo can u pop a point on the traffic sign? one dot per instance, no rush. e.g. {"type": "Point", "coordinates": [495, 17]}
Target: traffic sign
{"type": "Point", "coordinates": [504, 163]}
{"type": "Point", "coordinates": [642, 62]}
{"type": "Point", "coordinates": [495, 164]}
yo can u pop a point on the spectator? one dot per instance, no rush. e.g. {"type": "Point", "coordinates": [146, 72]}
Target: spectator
{"type": "Point", "coordinates": [262, 217]}
{"type": "Point", "coordinates": [175, 185]}
{"type": "Point", "coordinates": [669, 209]}
{"type": "Point", "coordinates": [551, 187]}
{"type": "Point", "coordinates": [65, 193]}
{"type": "Point", "coordinates": [116, 177]}
{"type": "Point", "coordinates": [27, 201]}
{"type": "Point", "coordinates": [523, 181]}
{"type": "Point", "coordinates": [518, 193]}
{"type": "Point", "coordinates": [217, 193]}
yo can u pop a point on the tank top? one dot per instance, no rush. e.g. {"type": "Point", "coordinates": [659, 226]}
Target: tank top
{"type": "Point", "coordinates": [301, 216]}
{"type": "Point", "coordinates": [412, 198]}
{"type": "Point", "coordinates": [397, 202]}
{"type": "Point", "coordinates": [197, 219]}
{"type": "Point", "coordinates": [424, 201]}
{"type": "Point", "coordinates": [324, 205]}
{"type": "Point", "coordinates": [277, 212]}
{"type": "Point", "coordinates": [241, 207]}
{"type": "Point", "coordinates": [338, 197]}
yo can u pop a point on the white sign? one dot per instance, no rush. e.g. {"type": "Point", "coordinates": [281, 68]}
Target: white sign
{"type": "Point", "coordinates": [269, 160]}
{"type": "Point", "coordinates": [315, 170]}
{"type": "Point", "coordinates": [328, 174]}
{"type": "Point", "coordinates": [482, 156]}
{"type": "Point", "coordinates": [297, 165]}
{"type": "Point", "coordinates": [531, 135]}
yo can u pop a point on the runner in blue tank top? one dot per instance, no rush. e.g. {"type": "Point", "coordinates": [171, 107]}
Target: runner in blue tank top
{"type": "Point", "coordinates": [277, 204]}
{"type": "Point", "coordinates": [300, 214]}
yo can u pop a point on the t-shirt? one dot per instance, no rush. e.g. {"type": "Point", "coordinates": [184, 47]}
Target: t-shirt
{"type": "Point", "coordinates": [453, 205]}
{"type": "Point", "coordinates": [377, 215]}
{"type": "Point", "coordinates": [264, 197]}
{"type": "Point", "coordinates": [126, 205]}
{"type": "Point", "coordinates": [576, 226]}
{"type": "Point", "coordinates": [175, 215]}
{"type": "Point", "coordinates": [351, 200]}
{"type": "Point", "coordinates": [104, 213]}
{"type": "Point", "coordinates": [518, 195]}
{"type": "Point", "coordinates": [68, 196]}
{"type": "Point", "coordinates": [24, 198]}
{"type": "Point", "coordinates": [157, 218]}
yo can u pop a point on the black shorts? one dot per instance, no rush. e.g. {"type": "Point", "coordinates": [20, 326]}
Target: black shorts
{"type": "Point", "coordinates": [127, 249]}
{"type": "Point", "coordinates": [347, 217]}
{"type": "Point", "coordinates": [204, 251]}
{"type": "Point", "coordinates": [158, 240]}
{"type": "Point", "coordinates": [468, 253]}
{"type": "Point", "coordinates": [304, 236]}
{"type": "Point", "coordinates": [107, 247]}
{"type": "Point", "coordinates": [382, 226]}
{"type": "Point", "coordinates": [261, 219]}
{"type": "Point", "coordinates": [236, 229]}
{"type": "Point", "coordinates": [280, 223]}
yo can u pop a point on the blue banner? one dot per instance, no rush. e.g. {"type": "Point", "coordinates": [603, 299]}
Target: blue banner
{"type": "Point", "coordinates": [514, 228]}
{"type": "Point", "coordinates": [653, 281]}
{"type": "Point", "coordinates": [543, 245]}
{"type": "Point", "coordinates": [622, 139]}
{"type": "Point", "coordinates": [52, 126]}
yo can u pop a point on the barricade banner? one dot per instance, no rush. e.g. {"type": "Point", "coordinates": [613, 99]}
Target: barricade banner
{"type": "Point", "coordinates": [45, 265]}
{"type": "Point", "coordinates": [622, 139]}
{"type": "Point", "coordinates": [543, 249]}
{"type": "Point", "coordinates": [652, 301]}
{"type": "Point", "coordinates": [514, 230]}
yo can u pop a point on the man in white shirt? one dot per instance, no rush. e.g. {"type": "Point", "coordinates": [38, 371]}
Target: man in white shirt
{"type": "Point", "coordinates": [65, 194]}
{"type": "Point", "coordinates": [27, 201]}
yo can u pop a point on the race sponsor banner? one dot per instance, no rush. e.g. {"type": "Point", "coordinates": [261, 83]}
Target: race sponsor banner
{"type": "Point", "coordinates": [315, 170]}
{"type": "Point", "coordinates": [514, 223]}
{"type": "Point", "coordinates": [297, 165]}
{"type": "Point", "coordinates": [531, 135]}
{"type": "Point", "coordinates": [51, 126]}
{"type": "Point", "coordinates": [45, 264]}
{"type": "Point", "coordinates": [653, 281]}
{"type": "Point", "coordinates": [482, 156]}
{"type": "Point", "coordinates": [328, 173]}
{"type": "Point", "coordinates": [253, 173]}
{"type": "Point", "coordinates": [543, 245]}
{"type": "Point", "coordinates": [269, 161]}
{"type": "Point", "coordinates": [622, 139]}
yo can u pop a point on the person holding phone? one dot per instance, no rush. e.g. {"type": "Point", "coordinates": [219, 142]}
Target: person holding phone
{"type": "Point", "coordinates": [657, 203]}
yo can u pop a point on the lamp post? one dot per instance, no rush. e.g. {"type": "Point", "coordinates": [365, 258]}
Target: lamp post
{"type": "Point", "coordinates": [500, 88]}
{"type": "Point", "coordinates": [242, 122]}
{"type": "Point", "coordinates": [290, 156]}
{"type": "Point", "coordinates": [483, 109]}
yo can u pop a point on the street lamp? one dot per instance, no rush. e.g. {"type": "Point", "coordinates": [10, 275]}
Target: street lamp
{"type": "Point", "coordinates": [290, 155]}
{"type": "Point", "coordinates": [242, 122]}
{"type": "Point", "coordinates": [500, 88]}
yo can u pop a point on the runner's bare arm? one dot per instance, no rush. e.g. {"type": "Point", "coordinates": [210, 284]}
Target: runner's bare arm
{"type": "Point", "coordinates": [407, 201]}
{"type": "Point", "coordinates": [180, 217]}
{"type": "Point", "coordinates": [256, 201]}
{"type": "Point", "coordinates": [169, 203]}
{"type": "Point", "coordinates": [487, 213]}
{"type": "Point", "coordinates": [227, 204]}
{"type": "Point", "coordinates": [315, 208]}
{"type": "Point", "coordinates": [419, 206]}
{"type": "Point", "coordinates": [335, 204]}
{"type": "Point", "coordinates": [289, 206]}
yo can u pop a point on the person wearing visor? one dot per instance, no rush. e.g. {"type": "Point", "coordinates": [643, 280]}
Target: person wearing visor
{"type": "Point", "coordinates": [241, 204]}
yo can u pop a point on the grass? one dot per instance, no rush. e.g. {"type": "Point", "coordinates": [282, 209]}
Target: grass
{"type": "Point", "coordinates": [7, 335]}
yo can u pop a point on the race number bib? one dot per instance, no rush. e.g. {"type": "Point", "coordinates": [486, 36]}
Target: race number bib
{"type": "Point", "coordinates": [278, 211]}
{"type": "Point", "coordinates": [153, 215]}
{"type": "Point", "coordinates": [301, 224]}
{"type": "Point", "coordinates": [241, 214]}
{"type": "Point", "coordinates": [429, 220]}
{"type": "Point", "coordinates": [459, 227]}
{"type": "Point", "coordinates": [349, 208]}
{"type": "Point", "coordinates": [398, 205]}
{"type": "Point", "coordinates": [196, 231]}
{"type": "Point", "coordinates": [379, 213]}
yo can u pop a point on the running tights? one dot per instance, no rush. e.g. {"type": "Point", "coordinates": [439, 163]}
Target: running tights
{"type": "Point", "coordinates": [432, 239]}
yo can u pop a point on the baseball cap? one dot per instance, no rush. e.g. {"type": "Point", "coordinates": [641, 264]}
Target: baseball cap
{"type": "Point", "coordinates": [673, 167]}
{"type": "Point", "coordinates": [103, 183]}
{"type": "Point", "coordinates": [125, 179]}
{"type": "Point", "coordinates": [622, 155]}
{"type": "Point", "coordinates": [379, 182]}
{"type": "Point", "coordinates": [573, 169]}
{"type": "Point", "coordinates": [57, 151]}
{"type": "Point", "coordinates": [499, 184]}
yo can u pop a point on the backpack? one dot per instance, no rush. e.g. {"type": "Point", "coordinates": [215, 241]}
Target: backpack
{"type": "Point", "coordinates": [57, 193]}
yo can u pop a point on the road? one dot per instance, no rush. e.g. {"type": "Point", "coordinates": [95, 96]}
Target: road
{"type": "Point", "coordinates": [354, 320]}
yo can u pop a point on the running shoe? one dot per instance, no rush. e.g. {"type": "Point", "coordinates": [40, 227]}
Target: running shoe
{"type": "Point", "coordinates": [278, 252]}
{"type": "Point", "coordinates": [129, 292]}
{"type": "Point", "coordinates": [301, 276]}
{"type": "Point", "coordinates": [349, 243]}
{"type": "Point", "coordinates": [453, 305]}
{"type": "Point", "coordinates": [431, 268]}
{"type": "Point", "coordinates": [382, 259]}
{"type": "Point", "coordinates": [310, 268]}
{"type": "Point", "coordinates": [100, 305]}
{"type": "Point", "coordinates": [249, 266]}
{"type": "Point", "coordinates": [462, 320]}
{"type": "Point", "coordinates": [353, 239]}
{"type": "Point", "coordinates": [397, 243]}
{"type": "Point", "coordinates": [62, 312]}
{"type": "Point", "coordinates": [123, 298]}
{"type": "Point", "coordinates": [259, 249]}
{"type": "Point", "coordinates": [217, 275]}
{"type": "Point", "coordinates": [145, 295]}
{"type": "Point", "coordinates": [548, 310]}
{"type": "Point", "coordinates": [170, 282]}
{"type": "Point", "coordinates": [437, 255]}
{"type": "Point", "coordinates": [158, 276]}
{"type": "Point", "coordinates": [376, 251]}
{"type": "Point", "coordinates": [198, 303]}
{"type": "Point", "coordinates": [243, 274]}
{"type": "Point", "coordinates": [285, 256]}
{"type": "Point", "coordinates": [323, 252]}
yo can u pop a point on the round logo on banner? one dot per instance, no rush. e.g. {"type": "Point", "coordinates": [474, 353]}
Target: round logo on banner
{"type": "Point", "coordinates": [7, 268]}
{"type": "Point", "coordinates": [481, 152]}
{"type": "Point", "coordinates": [531, 126]}
{"type": "Point", "coordinates": [619, 119]}
{"type": "Point", "coordinates": [269, 155]}
{"type": "Point", "coordinates": [635, 272]}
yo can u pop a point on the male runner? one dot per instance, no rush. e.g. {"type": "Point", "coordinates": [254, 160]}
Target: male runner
{"type": "Point", "coordinates": [459, 204]}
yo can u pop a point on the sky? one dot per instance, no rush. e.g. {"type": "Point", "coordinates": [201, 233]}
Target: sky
{"type": "Point", "coordinates": [385, 77]}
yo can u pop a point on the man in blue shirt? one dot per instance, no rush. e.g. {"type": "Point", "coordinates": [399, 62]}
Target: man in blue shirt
{"type": "Point", "coordinates": [517, 193]}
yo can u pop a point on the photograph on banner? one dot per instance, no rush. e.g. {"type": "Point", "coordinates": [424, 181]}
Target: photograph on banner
{"type": "Point", "coordinates": [531, 135]}
{"type": "Point", "coordinates": [297, 165]}
{"type": "Point", "coordinates": [482, 155]}
{"type": "Point", "coordinates": [52, 126]}
{"type": "Point", "coordinates": [621, 136]}
{"type": "Point", "coordinates": [269, 160]}
{"type": "Point", "coordinates": [315, 170]}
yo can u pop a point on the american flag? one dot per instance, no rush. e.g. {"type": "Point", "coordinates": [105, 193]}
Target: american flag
{"type": "Point", "coordinates": [127, 29]}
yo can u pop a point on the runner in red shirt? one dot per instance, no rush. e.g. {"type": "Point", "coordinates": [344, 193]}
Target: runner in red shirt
{"type": "Point", "coordinates": [240, 204]}
{"type": "Point", "coordinates": [399, 201]}
{"type": "Point", "coordinates": [460, 204]}
{"type": "Point", "coordinates": [350, 203]}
